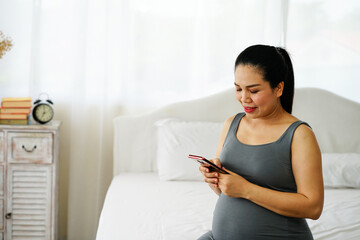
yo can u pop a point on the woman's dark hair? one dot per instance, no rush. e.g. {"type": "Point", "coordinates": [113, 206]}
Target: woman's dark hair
{"type": "Point", "coordinates": [275, 65]}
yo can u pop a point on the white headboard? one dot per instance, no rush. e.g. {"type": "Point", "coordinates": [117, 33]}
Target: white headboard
{"type": "Point", "coordinates": [335, 121]}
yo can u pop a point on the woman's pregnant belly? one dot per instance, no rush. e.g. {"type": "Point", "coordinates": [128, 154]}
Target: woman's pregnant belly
{"type": "Point", "coordinates": [241, 219]}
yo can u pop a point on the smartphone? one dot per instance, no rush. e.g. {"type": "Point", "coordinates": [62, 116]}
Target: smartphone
{"type": "Point", "coordinates": [212, 167]}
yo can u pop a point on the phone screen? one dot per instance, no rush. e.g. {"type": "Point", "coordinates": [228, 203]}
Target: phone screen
{"type": "Point", "coordinates": [212, 166]}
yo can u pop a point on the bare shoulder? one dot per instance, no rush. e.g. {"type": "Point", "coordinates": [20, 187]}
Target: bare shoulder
{"type": "Point", "coordinates": [303, 131]}
{"type": "Point", "coordinates": [305, 140]}
{"type": "Point", "coordinates": [223, 134]}
{"type": "Point", "coordinates": [229, 120]}
{"type": "Point", "coordinates": [227, 124]}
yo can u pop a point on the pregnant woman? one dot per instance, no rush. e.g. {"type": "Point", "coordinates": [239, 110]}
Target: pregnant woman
{"type": "Point", "coordinates": [273, 158]}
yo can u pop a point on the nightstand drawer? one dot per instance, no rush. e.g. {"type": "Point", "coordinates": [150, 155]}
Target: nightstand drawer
{"type": "Point", "coordinates": [1, 148]}
{"type": "Point", "coordinates": [30, 147]}
{"type": "Point", "coordinates": [2, 176]}
{"type": "Point", "coordinates": [1, 215]}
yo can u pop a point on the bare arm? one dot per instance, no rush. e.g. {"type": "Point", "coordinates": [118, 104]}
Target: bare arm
{"type": "Point", "coordinates": [223, 135]}
{"type": "Point", "coordinates": [211, 177]}
{"type": "Point", "coordinates": [307, 202]}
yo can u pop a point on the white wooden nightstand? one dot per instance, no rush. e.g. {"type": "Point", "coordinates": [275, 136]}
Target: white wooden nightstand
{"type": "Point", "coordinates": [29, 181]}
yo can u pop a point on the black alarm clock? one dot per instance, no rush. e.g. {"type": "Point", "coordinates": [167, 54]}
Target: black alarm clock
{"type": "Point", "coordinates": [43, 111]}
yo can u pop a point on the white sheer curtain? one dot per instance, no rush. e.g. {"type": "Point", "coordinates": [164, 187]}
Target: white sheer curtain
{"type": "Point", "coordinates": [323, 38]}
{"type": "Point", "coordinates": [101, 58]}
{"type": "Point", "coordinates": [98, 59]}
{"type": "Point", "coordinates": [176, 50]}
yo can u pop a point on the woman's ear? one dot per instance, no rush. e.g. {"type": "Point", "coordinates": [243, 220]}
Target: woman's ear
{"type": "Point", "coordinates": [279, 89]}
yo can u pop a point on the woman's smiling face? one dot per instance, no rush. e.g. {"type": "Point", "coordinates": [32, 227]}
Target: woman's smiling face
{"type": "Point", "coordinates": [254, 93]}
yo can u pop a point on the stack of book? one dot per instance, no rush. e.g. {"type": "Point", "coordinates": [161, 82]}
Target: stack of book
{"type": "Point", "coordinates": [15, 110]}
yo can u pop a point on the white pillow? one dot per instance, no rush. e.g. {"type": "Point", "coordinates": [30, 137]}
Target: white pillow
{"type": "Point", "coordinates": [176, 139]}
{"type": "Point", "coordinates": [341, 170]}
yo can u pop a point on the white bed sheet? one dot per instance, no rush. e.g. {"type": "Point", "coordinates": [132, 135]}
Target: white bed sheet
{"type": "Point", "coordinates": [341, 216]}
{"type": "Point", "coordinates": [140, 206]}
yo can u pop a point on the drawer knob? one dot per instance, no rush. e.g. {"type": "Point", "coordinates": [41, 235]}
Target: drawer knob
{"type": "Point", "coordinates": [8, 215]}
{"type": "Point", "coordinates": [27, 150]}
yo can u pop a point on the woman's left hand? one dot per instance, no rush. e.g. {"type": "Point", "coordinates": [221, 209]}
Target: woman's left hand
{"type": "Point", "coordinates": [233, 185]}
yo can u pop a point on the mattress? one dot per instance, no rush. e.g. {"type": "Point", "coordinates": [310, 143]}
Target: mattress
{"type": "Point", "coordinates": [140, 206]}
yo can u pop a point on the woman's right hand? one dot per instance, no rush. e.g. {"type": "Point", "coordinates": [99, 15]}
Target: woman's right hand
{"type": "Point", "coordinates": [211, 177]}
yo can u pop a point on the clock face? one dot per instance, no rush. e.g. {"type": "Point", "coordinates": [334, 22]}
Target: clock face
{"type": "Point", "coordinates": [43, 113]}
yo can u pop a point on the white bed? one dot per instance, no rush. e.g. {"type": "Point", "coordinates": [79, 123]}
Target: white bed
{"type": "Point", "coordinates": [157, 193]}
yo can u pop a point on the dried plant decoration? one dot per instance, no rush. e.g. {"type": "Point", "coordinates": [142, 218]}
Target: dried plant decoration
{"type": "Point", "coordinates": [5, 44]}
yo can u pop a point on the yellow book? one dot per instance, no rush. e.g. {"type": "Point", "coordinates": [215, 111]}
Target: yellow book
{"type": "Point", "coordinates": [14, 121]}
{"type": "Point", "coordinates": [16, 104]}
{"type": "Point", "coordinates": [15, 99]}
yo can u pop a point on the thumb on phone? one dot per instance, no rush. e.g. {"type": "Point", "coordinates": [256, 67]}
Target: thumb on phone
{"type": "Point", "coordinates": [217, 162]}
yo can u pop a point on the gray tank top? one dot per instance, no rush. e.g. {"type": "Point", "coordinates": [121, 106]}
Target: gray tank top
{"type": "Point", "coordinates": [267, 165]}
